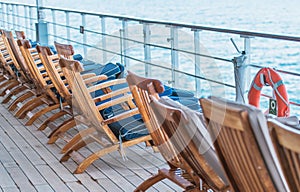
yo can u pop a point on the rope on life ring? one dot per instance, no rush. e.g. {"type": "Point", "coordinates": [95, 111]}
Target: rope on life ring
{"type": "Point", "coordinates": [268, 76]}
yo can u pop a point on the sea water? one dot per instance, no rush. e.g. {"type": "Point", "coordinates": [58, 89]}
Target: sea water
{"type": "Point", "coordinates": [267, 16]}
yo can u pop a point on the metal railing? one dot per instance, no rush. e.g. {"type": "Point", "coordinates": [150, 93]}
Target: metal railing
{"type": "Point", "coordinates": [131, 40]}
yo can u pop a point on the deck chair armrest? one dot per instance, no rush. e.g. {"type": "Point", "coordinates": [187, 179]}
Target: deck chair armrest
{"type": "Point", "coordinates": [121, 116]}
{"type": "Point", "coordinates": [88, 75]}
{"type": "Point", "coordinates": [92, 78]}
{"type": "Point", "coordinates": [106, 84]}
{"type": "Point", "coordinates": [111, 94]}
{"type": "Point", "coordinates": [119, 100]}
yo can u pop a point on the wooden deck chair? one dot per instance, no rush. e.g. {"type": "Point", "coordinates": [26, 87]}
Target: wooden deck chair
{"type": "Point", "coordinates": [286, 140]}
{"type": "Point", "coordinates": [62, 88]}
{"type": "Point", "coordinates": [46, 99]}
{"type": "Point", "coordinates": [27, 83]}
{"type": "Point", "coordinates": [24, 90]}
{"type": "Point", "coordinates": [243, 145]}
{"type": "Point", "coordinates": [93, 115]}
{"type": "Point", "coordinates": [9, 59]}
{"type": "Point", "coordinates": [177, 159]}
{"type": "Point", "coordinates": [25, 77]}
{"type": "Point", "coordinates": [67, 51]}
{"type": "Point", "coordinates": [7, 72]}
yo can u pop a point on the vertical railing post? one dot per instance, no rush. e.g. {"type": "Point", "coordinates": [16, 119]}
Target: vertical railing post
{"type": "Point", "coordinates": [174, 54]}
{"type": "Point", "coordinates": [147, 49]}
{"type": "Point", "coordinates": [18, 19]}
{"type": "Point", "coordinates": [84, 38]}
{"type": "Point", "coordinates": [103, 31]}
{"type": "Point", "coordinates": [7, 16]}
{"type": "Point", "coordinates": [197, 61]}
{"type": "Point", "coordinates": [240, 71]}
{"type": "Point", "coordinates": [31, 21]}
{"type": "Point", "coordinates": [124, 42]}
{"type": "Point", "coordinates": [3, 15]}
{"type": "Point", "coordinates": [14, 16]}
{"type": "Point", "coordinates": [27, 21]}
{"type": "Point", "coordinates": [41, 25]}
{"type": "Point", "coordinates": [247, 48]}
{"type": "Point", "coordinates": [54, 24]}
{"type": "Point", "coordinates": [68, 28]}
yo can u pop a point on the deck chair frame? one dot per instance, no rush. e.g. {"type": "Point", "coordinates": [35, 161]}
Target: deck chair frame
{"type": "Point", "coordinates": [90, 111]}
{"type": "Point", "coordinates": [145, 91]}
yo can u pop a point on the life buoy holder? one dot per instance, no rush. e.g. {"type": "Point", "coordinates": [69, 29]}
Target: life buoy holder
{"type": "Point", "coordinates": [268, 76]}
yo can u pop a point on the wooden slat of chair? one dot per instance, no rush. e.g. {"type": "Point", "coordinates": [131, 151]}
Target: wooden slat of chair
{"type": "Point", "coordinates": [5, 60]}
{"type": "Point", "coordinates": [68, 52]}
{"type": "Point", "coordinates": [12, 78]}
{"type": "Point", "coordinates": [89, 111]}
{"type": "Point", "coordinates": [237, 147]}
{"type": "Point", "coordinates": [25, 78]}
{"type": "Point", "coordinates": [60, 85]}
{"type": "Point", "coordinates": [23, 89]}
{"type": "Point", "coordinates": [45, 95]}
{"type": "Point", "coordinates": [40, 84]}
{"type": "Point", "coordinates": [286, 141]}
{"type": "Point", "coordinates": [142, 89]}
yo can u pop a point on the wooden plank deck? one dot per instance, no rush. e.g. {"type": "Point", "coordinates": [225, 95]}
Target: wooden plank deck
{"type": "Point", "coordinates": [28, 163]}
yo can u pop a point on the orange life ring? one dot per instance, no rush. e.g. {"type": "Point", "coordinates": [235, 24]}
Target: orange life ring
{"type": "Point", "coordinates": [268, 76]}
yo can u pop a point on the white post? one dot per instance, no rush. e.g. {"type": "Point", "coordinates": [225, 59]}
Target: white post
{"type": "Point", "coordinates": [41, 25]}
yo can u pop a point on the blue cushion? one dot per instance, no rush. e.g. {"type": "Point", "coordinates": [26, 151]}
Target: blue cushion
{"type": "Point", "coordinates": [167, 91]}
{"type": "Point", "coordinates": [182, 93]}
{"type": "Point", "coordinates": [129, 128]}
{"type": "Point", "coordinates": [190, 102]}
{"type": "Point", "coordinates": [122, 68]}
{"type": "Point", "coordinates": [109, 69]}
{"type": "Point", "coordinates": [77, 57]}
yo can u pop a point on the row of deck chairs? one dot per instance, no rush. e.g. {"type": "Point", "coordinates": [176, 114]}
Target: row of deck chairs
{"type": "Point", "coordinates": [228, 147]}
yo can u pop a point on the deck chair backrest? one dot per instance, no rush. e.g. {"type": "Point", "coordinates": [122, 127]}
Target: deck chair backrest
{"type": "Point", "coordinates": [35, 63]}
{"type": "Point", "coordinates": [31, 69]}
{"type": "Point", "coordinates": [6, 59]}
{"type": "Point", "coordinates": [47, 58]}
{"type": "Point", "coordinates": [175, 149]}
{"type": "Point", "coordinates": [20, 34]}
{"type": "Point", "coordinates": [84, 105]}
{"type": "Point", "coordinates": [6, 63]}
{"type": "Point", "coordinates": [241, 145]}
{"type": "Point", "coordinates": [286, 141]}
{"type": "Point", "coordinates": [141, 88]}
{"type": "Point", "coordinates": [64, 50]}
{"type": "Point", "coordinates": [16, 56]}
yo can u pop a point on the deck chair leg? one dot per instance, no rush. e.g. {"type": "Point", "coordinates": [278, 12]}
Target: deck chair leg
{"type": "Point", "coordinates": [90, 159]}
{"type": "Point", "coordinates": [61, 129]}
{"type": "Point", "coordinates": [150, 182]}
{"type": "Point", "coordinates": [95, 156]}
{"type": "Point", "coordinates": [42, 112]}
{"type": "Point", "coordinates": [20, 99]}
{"type": "Point", "coordinates": [51, 119]}
{"type": "Point", "coordinates": [7, 82]}
{"type": "Point", "coordinates": [9, 86]}
{"type": "Point", "coordinates": [13, 92]}
{"type": "Point", "coordinates": [28, 106]}
{"type": "Point", "coordinates": [82, 143]}
{"type": "Point", "coordinates": [163, 174]}
{"type": "Point", "coordinates": [77, 138]}
{"type": "Point", "coordinates": [2, 78]}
